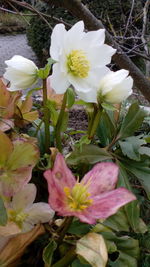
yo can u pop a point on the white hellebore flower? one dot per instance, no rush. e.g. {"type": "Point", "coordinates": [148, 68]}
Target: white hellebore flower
{"type": "Point", "coordinates": [21, 72]}
{"type": "Point", "coordinates": [24, 213]}
{"type": "Point", "coordinates": [81, 58]}
{"type": "Point", "coordinates": [115, 87]}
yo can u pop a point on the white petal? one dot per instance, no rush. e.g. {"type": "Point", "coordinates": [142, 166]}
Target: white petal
{"type": "Point", "coordinates": [24, 198]}
{"type": "Point", "coordinates": [73, 37]}
{"type": "Point", "coordinates": [112, 79]}
{"type": "Point", "coordinates": [39, 213]}
{"type": "Point", "coordinates": [22, 64]}
{"type": "Point", "coordinates": [59, 81]}
{"type": "Point", "coordinates": [101, 55]}
{"type": "Point", "coordinates": [57, 38]}
{"type": "Point", "coordinates": [94, 38]}
{"type": "Point", "coordinates": [120, 92]}
{"type": "Point", "coordinates": [93, 79]}
{"type": "Point", "coordinates": [90, 96]}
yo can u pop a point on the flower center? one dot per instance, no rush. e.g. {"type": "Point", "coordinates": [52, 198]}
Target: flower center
{"type": "Point", "coordinates": [17, 217]}
{"type": "Point", "coordinates": [78, 64]}
{"type": "Point", "coordinates": [78, 197]}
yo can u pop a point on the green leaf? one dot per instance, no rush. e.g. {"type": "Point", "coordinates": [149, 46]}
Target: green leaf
{"type": "Point", "coordinates": [127, 247]}
{"type": "Point", "coordinates": [132, 209]}
{"type": "Point", "coordinates": [24, 154]}
{"type": "Point", "coordinates": [70, 97]}
{"type": "Point", "coordinates": [51, 61]}
{"type": "Point", "coordinates": [53, 112]}
{"type": "Point", "coordinates": [106, 129]}
{"type": "Point", "coordinates": [79, 228]}
{"type": "Point", "coordinates": [141, 171]}
{"type": "Point", "coordinates": [48, 252]}
{"type": "Point", "coordinates": [108, 106]}
{"type": "Point", "coordinates": [118, 221]}
{"type": "Point", "coordinates": [144, 151]}
{"type": "Point", "coordinates": [131, 147]}
{"type": "Point", "coordinates": [89, 154]}
{"type": "Point", "coordinates": [132, 121]}
{"type": "Point", "coordinates": [6, 148]}
{"type": "Point", "coordinates": [64, 123]}
{"type": "Point", "coordinates": [44, 72]}
{"type": "Point", "coordinates": [78, 263]}
{"type": "Point", "coordinates": [3, 213]}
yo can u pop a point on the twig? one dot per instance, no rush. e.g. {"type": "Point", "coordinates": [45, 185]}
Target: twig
{"type": "Point", "coordinates": [129, 18]}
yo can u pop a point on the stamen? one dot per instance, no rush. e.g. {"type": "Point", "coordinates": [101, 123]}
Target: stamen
{"type": "Point", "coordinates": [78, 64]}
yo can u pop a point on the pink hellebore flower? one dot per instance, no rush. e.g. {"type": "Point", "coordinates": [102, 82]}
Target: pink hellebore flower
{"type": "Point", "coordinates": [93, 198]}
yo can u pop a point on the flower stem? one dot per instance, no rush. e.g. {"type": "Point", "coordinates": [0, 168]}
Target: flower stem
{"type": "Point", "coordinates": [46, 118]}
{"type": "Point", "coordinates": [67, 259]}
{"type": "Point", "coordinates": [66, 224]}
{"type": "Point", "coordinates": [59, 123]}
{"type": "Point", "coordinates": [95, 121]}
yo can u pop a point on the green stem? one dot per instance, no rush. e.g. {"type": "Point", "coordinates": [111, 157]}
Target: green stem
{"type": "Point", "coordinates": [67, 259]}
{"type": "Point", "coordinates": [95, 122]}
{"type": "Point", "coordinates": [46, 118]}
{"type": "Point", "coordinates": [66, 224]}
{"type": "Point", "coordinates": [59, 123]}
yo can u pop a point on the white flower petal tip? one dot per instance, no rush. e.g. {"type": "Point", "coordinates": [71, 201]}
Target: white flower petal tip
{"type": "Point", "coordinates": [79, 55]}
{"type": "Point", "coordinates": [20, 72]}
{"type": "Point", "coordinates": [115, 87]}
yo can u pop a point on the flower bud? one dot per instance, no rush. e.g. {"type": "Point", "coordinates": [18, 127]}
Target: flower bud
{"type": "Point", "coordinates": [21, 72]}
{"type": "Point", "coordinates": [115, 87]}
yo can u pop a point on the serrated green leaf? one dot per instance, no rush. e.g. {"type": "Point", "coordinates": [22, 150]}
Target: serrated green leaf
{"type": "Point", "coordinates": [3, 213]}
{"type": "Point", "coordinates": [131, 147]}
{"type": "Point", "coordinates": [70, 97]}
{"type": "Point", "coordinates": [48, 252]}
{"type": "Point", "coordinates": [90, 154]}
{"type": "Point", "coordinates": [132, 121]}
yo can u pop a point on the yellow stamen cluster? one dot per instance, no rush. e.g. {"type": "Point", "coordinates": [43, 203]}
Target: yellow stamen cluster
{"type": "Point", "coordinates": [78, 64]}
{"type": "Point", "coordinates": [78, 197]}
{"type": "Point", "coordinates": [17, 217]}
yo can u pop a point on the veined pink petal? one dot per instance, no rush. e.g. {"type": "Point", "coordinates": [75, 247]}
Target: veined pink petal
{"type": "Point", "coordinates": [58, 178]}
{"type": "Point", "coordinates": [24, 198]}
{"type": "Point", "coordinates": [102, 178]}
{"type": "Point", "coordinates": [108, 203]}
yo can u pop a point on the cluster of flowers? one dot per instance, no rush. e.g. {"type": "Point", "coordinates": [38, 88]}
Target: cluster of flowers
{"type": "Point", "coordinates": [80, 60]}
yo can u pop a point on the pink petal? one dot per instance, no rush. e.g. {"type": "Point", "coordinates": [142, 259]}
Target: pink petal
{"type": "Point", "coordinates": [58, 178]}
{"type": "Point", "coordinates": [108, 203]}
{"type": "Point", "coordinates": [102, 178]}
{"type": "Point", "coordinates": [12, 181]}
{"type": "Point", "coordinates": [25, 197]}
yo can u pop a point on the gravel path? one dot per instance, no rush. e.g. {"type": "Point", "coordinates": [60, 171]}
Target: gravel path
{"type": "Point", "coordinates": [11, 45]}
